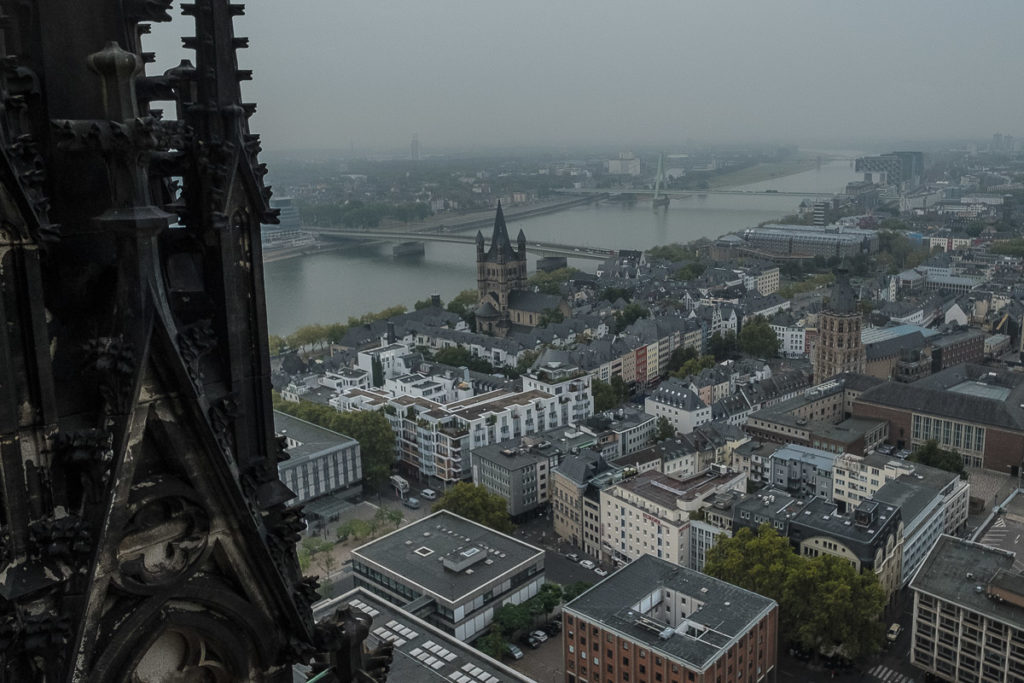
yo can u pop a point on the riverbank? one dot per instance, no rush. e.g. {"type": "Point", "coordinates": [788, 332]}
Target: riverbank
{"type": "Point", "coordinates": [759, 173]}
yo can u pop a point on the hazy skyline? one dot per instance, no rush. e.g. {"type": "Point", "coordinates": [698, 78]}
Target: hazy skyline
{"type": "Point", "coordinates": [532, 73]}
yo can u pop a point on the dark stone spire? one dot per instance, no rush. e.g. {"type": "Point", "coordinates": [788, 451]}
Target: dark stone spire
{"type": "Point", "coordinates": [843, 300]}
{"type": "Point", "coordinates": [479, 241]}
{"type": "Point", "coordinates": [521, 240]}
{"type": "Point", "coordinates": [500, 243]}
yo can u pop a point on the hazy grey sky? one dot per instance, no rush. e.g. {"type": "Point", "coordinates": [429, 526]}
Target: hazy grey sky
{"type": "Point", "coordinates": [620, 73]}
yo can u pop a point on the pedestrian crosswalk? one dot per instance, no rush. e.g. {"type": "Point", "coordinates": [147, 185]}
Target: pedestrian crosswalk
{"type": "Point", "coordinates": [884, 673]}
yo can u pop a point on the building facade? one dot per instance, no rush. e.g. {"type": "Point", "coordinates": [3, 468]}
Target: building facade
{"type": "Point", "coordinates": [968, 613]}
{"type": "Point", "coordinates": [653, 620]}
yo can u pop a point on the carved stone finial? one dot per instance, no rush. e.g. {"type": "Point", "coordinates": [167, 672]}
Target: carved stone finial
{"type": "Point", "coordinates": [117, 69]}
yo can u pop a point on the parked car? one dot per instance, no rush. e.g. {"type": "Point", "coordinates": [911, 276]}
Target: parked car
{"type": "Point", "coordinates": [587, 564]}
{"type": "Point", "coordinates": [552, 630]}
{"type": "Point", "coordinates": [540, 635]}
{"type": "Point", "coordinates": [893, 633]}
{"type": "Point", "coordinates": [411, 502]}
{"type": "Point", "coordinates": [555, 624]}
{"type": "Point", "coordinates": [428, 494]}
{"type": "Point", "coordinates": [513, 651]}
{"type": "Point", "coordinates": [530, 642]}
{"type": "Point", "coordinates": [600, 572]}
{"type": "Point", "coordinates": [573, 556]}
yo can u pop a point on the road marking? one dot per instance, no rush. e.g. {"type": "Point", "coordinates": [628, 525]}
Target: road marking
{"type": "Point", "coordinates": [888, 675]}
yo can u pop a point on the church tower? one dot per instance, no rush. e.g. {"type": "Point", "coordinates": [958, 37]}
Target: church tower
{"type": "Point", "coordinates": [839, 347]}
{"type": "Point", "coordinates": [499, 271]}
{"type": "Point", "coordinates": [145, 534]}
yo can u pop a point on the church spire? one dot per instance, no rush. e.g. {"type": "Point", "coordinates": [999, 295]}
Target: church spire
{"type": "Point", "coordinates": [500, 243]}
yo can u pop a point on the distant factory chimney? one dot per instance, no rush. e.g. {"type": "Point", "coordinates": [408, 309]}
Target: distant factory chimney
{"type": "Point", "coordinates": [391, 333]}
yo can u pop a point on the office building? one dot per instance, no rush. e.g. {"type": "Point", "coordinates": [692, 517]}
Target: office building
{"type": "Point", "coordinates": [653, 621]}
{"type": "Point", "coordinates": [449, 571]}
{"type": "Point", "coordinates": [968, 613]}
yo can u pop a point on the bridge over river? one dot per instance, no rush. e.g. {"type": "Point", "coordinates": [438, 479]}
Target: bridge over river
{"type": "Point", "coordinates": [619, 193]}
{"type": "Point", "coordinates": [539, 248]}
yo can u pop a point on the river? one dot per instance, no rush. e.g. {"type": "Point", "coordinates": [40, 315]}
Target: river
{"type": "Point", "coordinates": [333, 286]}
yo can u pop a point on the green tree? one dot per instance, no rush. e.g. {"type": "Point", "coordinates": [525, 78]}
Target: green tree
{"type": "Point", "coordinates": [690, 271]}
{"type": "Point", "coordinates": [464, 301]}
{"type": "Point", "coordinates": [608, 395]}
{"type": "Point", "coordinates": [665, 429]}
{"type": "Point", "coordinates": [574, 590]}
{"type": "Point", "coordinates": [526, 361]}
{"type": "Point", "coordinates": [823, 601]}
{"type": "Point", "coordinates": [930, 454]}
{"type": "Point", "coordinates": [672, 252]}
{"type": "Point", "coordinates": [459, 355]}
{"type": "Point", "coordinates": [550, 316]}
{"type": "Point", "coordinates": [757, 338]}
{"type": "Point", "coordinates": [548, 597]}
{"type": "Point", "coordinates": [493, 644]}
{"type": "Point", "coordinates": [629, 315]}
{"type": "Point", "coordinates": [613, 294]}
{"type": "Point", "coordinates": [551, 282]}
{"type": "Point", "coordinates": [478, 504]}
{"type": "Point", "coordinates": [722, 346]}
{"type": "Point", "coordinates": [694, 366]}
{"type": "Point", "coordinates": [511, 618]}
{"type": "Point", "coordinates": [679, 356]}
{"type": "Point", "coordinates": [277, 344]}
{"type": "Point", "coordinates": [388, 515]}
{"type": "Point", "coordinates": [376, 444]}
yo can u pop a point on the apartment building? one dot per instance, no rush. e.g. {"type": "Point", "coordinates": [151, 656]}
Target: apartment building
{"type": "Point", "coordinates": [651, 513]}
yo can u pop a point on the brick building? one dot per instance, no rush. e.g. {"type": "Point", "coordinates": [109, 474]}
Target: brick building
{"type": "Point", "coordinates": [972, 409]}
{"type": "Point", "coordinates": [656, 622]}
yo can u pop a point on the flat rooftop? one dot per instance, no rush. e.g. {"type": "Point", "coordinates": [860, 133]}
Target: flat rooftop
{"type": "Point", "coordinates": [420, 552]}
{"type": "Point", "coordinates": [421, 651]}
{"type": "Point", "coordinates": [312, 439]}
{"type": "Point", "coordinates": [1006, 530]}
{"type": "Point", "coordinates": [666, 491]}
{"type": "Point", "coordinates": [723, 612]}
{"type": "Point", "coordinates": [960, 571]}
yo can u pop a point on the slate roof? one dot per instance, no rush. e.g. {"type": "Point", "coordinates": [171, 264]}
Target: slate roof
{"type": "Point", "coordinates": [947, 394]}
{"type": "Point", "coordinates": [534, 302]}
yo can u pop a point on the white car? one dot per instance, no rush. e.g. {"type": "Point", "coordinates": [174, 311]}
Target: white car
{"type": "Point", "coordinates": [587, 564]}
{"type": "Point", "coordinates": [428, 494]}
{"type": "Point", "coordinates": [540, 635]}
{"type": "Point", "coordinates": [601, 572]}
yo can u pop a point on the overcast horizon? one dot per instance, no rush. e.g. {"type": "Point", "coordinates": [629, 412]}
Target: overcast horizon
{"type": "Point", "coordinates": [464, 75]}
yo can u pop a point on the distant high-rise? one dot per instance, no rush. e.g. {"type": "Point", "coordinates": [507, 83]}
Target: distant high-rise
{"type": "Point", "coordinates": [414, 147]}
{"type": "Point", "coordinates": [839, 347]}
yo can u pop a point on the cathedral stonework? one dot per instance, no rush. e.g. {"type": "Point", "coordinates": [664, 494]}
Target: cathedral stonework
{"type": "Point", "coordinates": [144, 533]}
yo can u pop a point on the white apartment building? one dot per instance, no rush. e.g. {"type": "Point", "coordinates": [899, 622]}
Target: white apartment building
{"type": "Point", "coordinates": [932, 501]}
{"type": "Point", "coordinates": [677, 403]}
{"type": "Point", "coordinates": [650, 513]}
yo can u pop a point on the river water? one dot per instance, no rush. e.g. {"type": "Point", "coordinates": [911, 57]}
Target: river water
{"type": "Point", "coordinates": [331, 287]}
